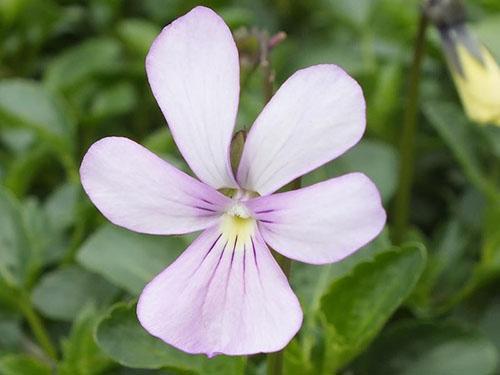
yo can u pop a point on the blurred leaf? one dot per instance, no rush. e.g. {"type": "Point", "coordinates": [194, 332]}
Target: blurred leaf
{"type": "Point", "coordinates": [455, 131]}
{"type": "Point", "coordinates": [23, 169]}
{"type": "Point", "coordinates": [27, 103]}
{"type": "Point", "coordinates": [61, 206]}
{"type": "Point", "coordinates": [117, 99]}
{"type": "Point", "coordinates": [123, 339]}
{"type": "Point", "coordinates": [446, 272]}
{"type": "Point", "coordinates": [63, 293]}
{"type": "Point", "coordinates": [127, 259]}
{"type": "Point", "coordinates": [376, 159]}
{"type": "Point", "coordinates": [491, 247]}
{"type": "Point", "coordinates": [14, 244]}
{"type": "Point", "coordinates": [355, 14]}
{"type": "Point", "coordinates": [412, 348]}
{"type": "Point", "coordinates": [481, 311]}
{"type": "Point", "coordinates": [357, 306]}
{"type": "Point", "coordinates": [17, 364]}
{"type": "Point", "coordinates": [81, 355]}
{"type": "Point", "coordinates": [488, 30]}
{"type": "Point", "coordinates": [82, 62]}
{"type": "Point", "coordinates": [19, 140]}
{"type": "Point", "coordinates": [10, 332]}
{"type": "Point", "coordinates": [138, 34]}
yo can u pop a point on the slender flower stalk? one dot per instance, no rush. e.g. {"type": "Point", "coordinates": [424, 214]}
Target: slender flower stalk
{"type": "Point", "coordinates": [407, 143]}
{"type": "Point", "coordinates": [226, 294]}
{"type": "Point", "coordinates": [36, 325]}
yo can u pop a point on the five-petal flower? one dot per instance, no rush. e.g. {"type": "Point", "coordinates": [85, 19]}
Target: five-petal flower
{"type": "Point", "coordinates": [226, 293]}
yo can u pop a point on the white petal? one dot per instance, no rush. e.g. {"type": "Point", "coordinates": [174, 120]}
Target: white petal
{"type": "Point", "coordinates": [222, 297]}
{"type": "Point", "coordinates": [137, 190]}
{"type": "Point", "coordinates": [322, 223]}
{"type": "Point", "coordinates": [193, 70]}
{"type": "Point", "coordinates": [316, 115]}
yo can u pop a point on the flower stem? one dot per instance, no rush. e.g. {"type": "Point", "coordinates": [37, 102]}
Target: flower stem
{"type": "Point", "coordinates": [36, 325]}
{"type": "Point", "coordinates": [407, 143]}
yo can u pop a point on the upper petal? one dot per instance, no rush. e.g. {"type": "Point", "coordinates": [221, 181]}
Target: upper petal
{"type": "Point", "coordinates": [316, 115]}
{"type": "Point", "coordinates": [322, 223]}
{"type": "Point", "coordinates": [137, 190]}
{"type": "Point", "coordinates": [223, 295]}
{"type": "Point", "coordinates": [193, 71]}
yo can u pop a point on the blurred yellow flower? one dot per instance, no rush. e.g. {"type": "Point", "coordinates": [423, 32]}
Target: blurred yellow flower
{"type": "Point", "coordinates": [478, 85]}
{"type": "Point", "coordinates": [474, 69]}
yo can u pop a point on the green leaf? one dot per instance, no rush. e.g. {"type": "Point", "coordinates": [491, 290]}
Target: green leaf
{"type": "Point", "coordinates": [137, 34]}
{"type": "Point", "coordinates": [127, 259]}
{"type": "Point", "coordinates": [447, 271]}
{"type": "Point", "coordinates": [414, 348]}
{"type": "Point", "coordinates": [63, 293]}
{"type": "Point", "coordinates": [121, 337]}
{"type": "Point", "coordinates": [81, 355]}
{"type": "Point", "coordinates": [14, 244]}
{"type": "Point", "coordinates": [10, 332]}
{"type": "Point", "coordinates": [115, 100]}
{"type": "Point", "coordinates": [456, 132]}
{"type": "Point", "coordinates": [378, 160]}
{"type": "Point", "coordinates": [61, 206]}
{"type": "Point", "coordinates": [26, 103]}
{"type": "Point", "coordinates": [491, 247]}
{"type": "Point", "coordinates": [487, 31]}
{"type": "Point", "coordinates": [16, 364]}
{"type": "Point", "coordinates": [82, 62]}
{"type": "Point", "coordinates": [357, 306]}
{"type": "Point", "coordinates": [310, 283]}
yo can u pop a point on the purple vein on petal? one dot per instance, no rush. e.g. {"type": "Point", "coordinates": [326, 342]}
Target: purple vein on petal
{"type": "Point", "coordinates": [205, 209]}
{"type": "Point", "coordinates": [207, 253]}
{"type": "Point", "coordinates": [265, 211]}
{"type": "Point", "coordinates": [255, 255]}
{"type": "Point", "coordinates": [231, 263]}
{"type": "Point", "coordinates": [266, 221]}
{"type": "Point", "coordinates": [207, 201]}
{"type": "Point", "coordinates": [244, 268]}
{"type": "Point", "coordinates": [217, 265]}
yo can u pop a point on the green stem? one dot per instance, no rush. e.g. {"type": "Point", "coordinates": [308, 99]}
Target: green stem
{"type": "Point", "coordinates": [407, 145]}
{"type": "Point", "coordinates": [36, 325]}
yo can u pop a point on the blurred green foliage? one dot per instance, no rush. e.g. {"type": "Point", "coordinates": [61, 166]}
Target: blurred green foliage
{"type": "Point", "coordinates": [72, 72]}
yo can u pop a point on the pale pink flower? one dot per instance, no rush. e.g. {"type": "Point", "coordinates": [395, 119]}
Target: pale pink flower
{"type": "Point", "coordinates": [226, 293]}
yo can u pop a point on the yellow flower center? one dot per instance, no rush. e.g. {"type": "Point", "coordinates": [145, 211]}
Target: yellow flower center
{"type": "Point", "coordinates": [238, 226]}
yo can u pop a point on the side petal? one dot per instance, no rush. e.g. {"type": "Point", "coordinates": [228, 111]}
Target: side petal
{"type": "Point", "coordinates": [223, 295]}
{"type": "Point", "coordinates": [322, 223]}
{"type": "Point", "coordinates": [193, 71]}
{"type": "Point", "coordinates": [137, 190]}
{"type": "Point", "coordinates": [315, 116]}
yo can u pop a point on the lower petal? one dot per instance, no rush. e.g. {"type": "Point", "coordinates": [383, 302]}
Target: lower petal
{"type": "Point", "coordinates": [225, 295]}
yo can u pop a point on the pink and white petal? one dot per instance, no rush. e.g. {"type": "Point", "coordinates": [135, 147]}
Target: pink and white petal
{"type": "Point", "coordinates": [315, 116]}
{"type": "Point", "coordinates": [222, 297]}
{"type": "Point", "coordinates": [137, 190]}
{"type": "Point", "coordinates": [193, 71]}
{"type": "Point", "coordinates": [322, 223]}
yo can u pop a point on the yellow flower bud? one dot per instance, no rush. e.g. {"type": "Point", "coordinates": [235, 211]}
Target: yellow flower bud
{"type": "Point", "coordinates": [478, 85]}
